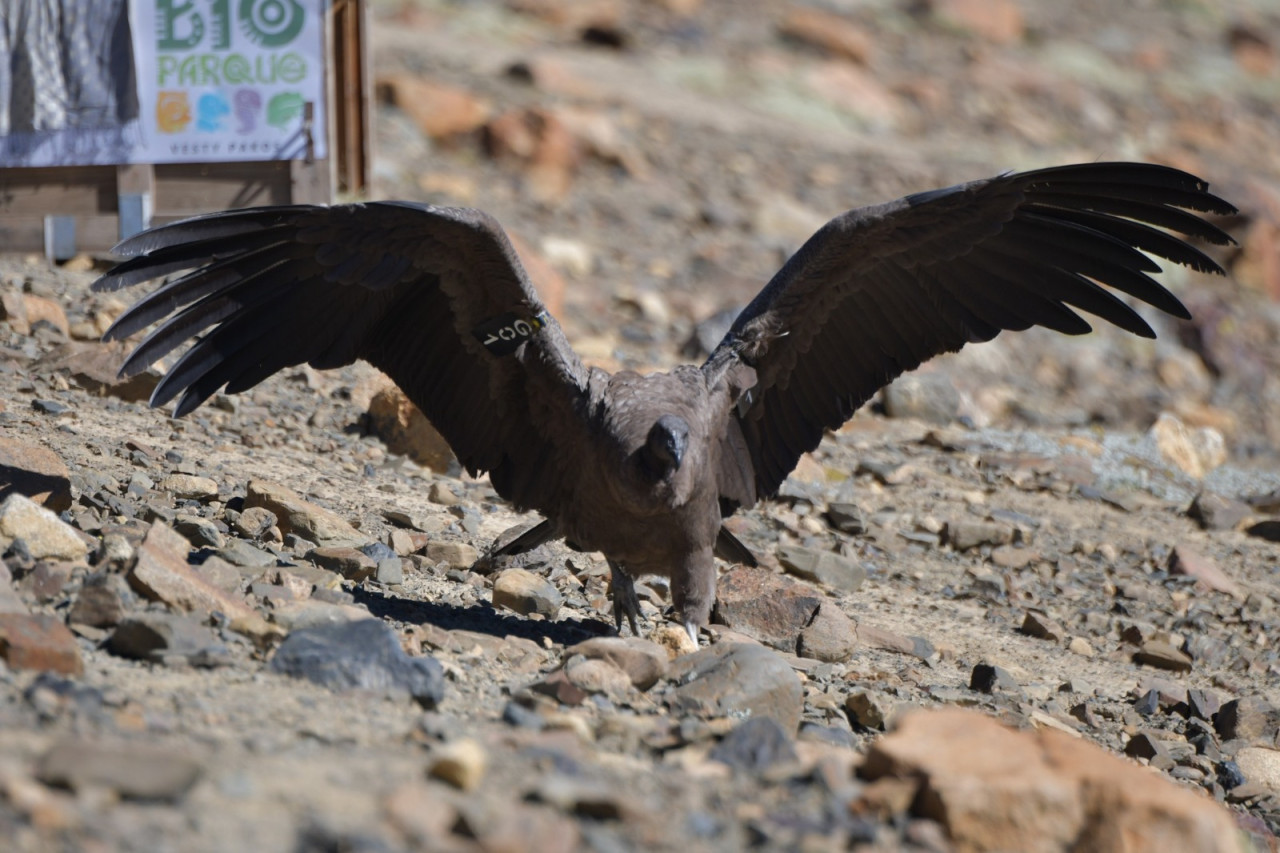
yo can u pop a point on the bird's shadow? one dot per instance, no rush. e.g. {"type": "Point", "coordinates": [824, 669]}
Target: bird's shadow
{"type": "Point", "coordinates": [481, 618]}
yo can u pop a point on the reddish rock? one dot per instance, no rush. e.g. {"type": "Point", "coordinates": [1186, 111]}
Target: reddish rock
{"type": "Point", "coordinates": [95, 367]}
{"type": "Point", "coordinates": [406, 431]}
{"type": "Point", "coordinates": [43, 310]}
{"type": "Point", "coordinates": [440, 111]}
{"type": "Point", "coordinates": [644, 661]}
{"type": "Point", "coordinates": [999, 21]}
{"type": "Point", "coordinates": [301, 517]}
{"type": "Point", "coordinates": [161, 573]}
{"type": "Point", "coordinates": [1184, 561]}
{"type": "Point", "coordinates": [835, 35]}
{"type": "Point", "coordinates": [352, 564]}
{"type": "Point", "coordinates": [36, 472]}
{"type": "Point", "coordinates": [994, 788]}
{"type": "Point", "coordinates": [777, 611]}
{"type": "Point", "coordinates": [38, 642]}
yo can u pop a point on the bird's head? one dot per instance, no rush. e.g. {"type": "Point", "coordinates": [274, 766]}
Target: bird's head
{"type": "Point", "coordinates": [665, 446]}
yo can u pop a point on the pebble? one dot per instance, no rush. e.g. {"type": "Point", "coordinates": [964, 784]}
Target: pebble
{"type": "Point", "coordinates": [40, 642]}
{"type": "Point", "coordinates": [871, 709]}
{"type": "Point", "coordinates": [168, 638]}
{"type": "Point", "coordinates": [525, 592]}
{"type": "Point", "coordinates": [45, 536]}
{"type": "Point", "coordinates": [350, 563]}
{"type": "Point", "coordinates": [1216, 512]}
{"type": "Point", "coordinates": [1161, 655]}
{"type": "Point", "coordinates": [189, 487]}
{"type": "Point", "coordinates": [988, 678]}
{"type": "Point", "coordinates": [964, 535]}
{"type": "Point", "coordinates": [363, 654]}
{"type": "Point", "coordinates": [254, 522]}
{"type": "Point", "coordinates": [643, 661]}
{"type": "Point", "coordinates": [134, 770]}
{"type": "Point", "coordinates": [847, 518]}
{"type": "Point", "coordinates": [458, 555]}
{"type": "Point", "coordinates": [755, 745]}
{"type": "Point", "coordinates": [824, 567]}
{"type": "Point", "coordinates": [595, 675]}
{"type": "Point", "coordinates": [200, 532]}
{"type": "Point", "coordinates": [1040, 625]}
{"type": "Point", "coordinates": [461, 764]}
{"type": "Point", "coordinates": [300, 517]}
{"type": "Point", "coordinates": [102, 601]}
{"type": "Point", "coordinates": [730, 679]}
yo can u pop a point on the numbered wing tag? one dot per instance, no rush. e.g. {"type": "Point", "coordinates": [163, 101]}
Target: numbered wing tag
{"type": "Point", "coordinates": [503, 334]}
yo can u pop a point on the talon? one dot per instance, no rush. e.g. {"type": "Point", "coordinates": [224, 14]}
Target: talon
{"type": "Point", "coordinates": [692, 630]}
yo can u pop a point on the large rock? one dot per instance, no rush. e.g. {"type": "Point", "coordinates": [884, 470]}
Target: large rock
{"type": "Point", "coordinates": [39, 642]}
{"type": "Point", "coordinates": [644, 661]}
{"type": "Point", "coordinates": [141, 771]}
{"type": "Point", "coordinates": [736, 679]}
{"type": "Point", "coordinates": [96, 368]}
{"type": "Point", "coordinates": [994, 788]}
{"type": "Point", "coordinates": [406, 431]}
{"type": "Point", "coordinates": [301, 517]}
{"type": "Point", "coordinates": [37, 472]}
{"type": "Point", "coordinates": [45, 535]}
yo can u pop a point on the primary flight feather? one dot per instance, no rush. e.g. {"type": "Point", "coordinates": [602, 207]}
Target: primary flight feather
{"type": "Point", "coordinates": [644, 468]}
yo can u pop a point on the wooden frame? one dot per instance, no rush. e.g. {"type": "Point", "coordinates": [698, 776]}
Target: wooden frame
{"type": "Point", "coordinates": [63, 210]}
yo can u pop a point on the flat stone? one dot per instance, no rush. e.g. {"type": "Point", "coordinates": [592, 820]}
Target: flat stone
{"type": "Point", "coordinates": [525, 592]}
{"type": "Point", "coordinates": [882, 638]}
{"type": "Point", "coordinates": [301, 517]}
{"type": "Point", "coordinates": [777, 610]}
{"type": "Point", "coordinates": [134, 770]}
{"type": "Point", "coordinates": [1189, 563]}
{"type": "Point", "coordinates": [1216, 512]}
{"type": "Point", "coordinates": [352, 564]}
{"type": "Point", "coordinates": [988, 678]}
{"type": "Point", "coordinates": [458, 555]}
{"type": "Point", "coordinates": [34, 471]}
{"type": "Point", "coordinates": [38, 641]}
{"type": "Point", "coordinates": [238, 552]}
{"type": "Point", "coordinates": [95, 367]}
{"type": "Point", "coordinates": [1042, 626]}
{"type": "Point", "coordinates": [200, 532]}
{"type": "Point", "coordinates": [168, 638]}
{"type": "Point", "coordinates": [644, 661]}
{"type": "Point", "coordinates": [161, 573]}
{"type": "Point", "coordinates": [1013, 557]}
{"type": "Point", "coordinates": [732, 679]}
{"type": "Point", "coordinates": [824, 567]}
{"type": "Point", "coordinates": [364, 655]}
{"type": "Point", "coordinates": [461, 763]}
{"type": "Point", "coordinates": [1147, 745]}
{"type": "Point", "coordinates": [963, 535]}
{"type": "Point", "coordinates": [755, 745]}
{"type": "Point", "coordinates": [293, 615]}
{"type": "Point", "coordinates": [596, 675]}
{"type": "Point", "coordinates": [847, 518]}
{"type": "Point", "coordinates": [1161, 655]}
{"type": "Point", "coordinates": [189, 487]}
{"type": "Point", "coordinates": [994, 788]}
{"type": "Point", "coordinates": [46, 536]}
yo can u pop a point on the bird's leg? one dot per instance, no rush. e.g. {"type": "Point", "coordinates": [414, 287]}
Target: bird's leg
{"type": "Point", "coordinates": [625, 602]}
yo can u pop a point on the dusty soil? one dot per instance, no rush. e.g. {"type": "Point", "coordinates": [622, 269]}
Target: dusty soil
{"type": "Point", "coordinates": [720, 144]}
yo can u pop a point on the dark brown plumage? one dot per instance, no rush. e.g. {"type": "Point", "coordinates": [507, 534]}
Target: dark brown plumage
{"type": "Point", "coordinates": [643, 468]}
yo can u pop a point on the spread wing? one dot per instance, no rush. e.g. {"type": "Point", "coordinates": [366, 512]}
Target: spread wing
{"type": "Point", "coordinates": [435, 297]}
{"type": "Point", "coordinates": [879, 290]}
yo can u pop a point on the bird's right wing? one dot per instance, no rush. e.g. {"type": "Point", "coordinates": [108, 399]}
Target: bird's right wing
{"type": "Point", "coordinates": [433, 296]}
{"type": "Point", "coordinates": [879, 290]}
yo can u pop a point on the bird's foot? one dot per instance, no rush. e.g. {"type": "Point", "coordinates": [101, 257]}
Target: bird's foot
{"type": "Point", "coordinates": [625, 601]}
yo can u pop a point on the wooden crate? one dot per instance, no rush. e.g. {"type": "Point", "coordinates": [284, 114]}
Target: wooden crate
{"type": "Point", "coordinates": [63, 210]}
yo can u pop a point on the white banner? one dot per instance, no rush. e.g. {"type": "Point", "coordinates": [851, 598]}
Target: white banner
{"type": "Point", "coordinates": [229, 79]}
{"type": "Point", "coordinates": [100, 82]}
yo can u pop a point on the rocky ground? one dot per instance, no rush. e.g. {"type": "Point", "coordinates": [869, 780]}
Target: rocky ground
{"type": "Point", "coordinates": [1047, 566]}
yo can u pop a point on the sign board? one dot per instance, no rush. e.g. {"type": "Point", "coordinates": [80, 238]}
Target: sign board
{"type": "Point", "coordinates": [184, 81]}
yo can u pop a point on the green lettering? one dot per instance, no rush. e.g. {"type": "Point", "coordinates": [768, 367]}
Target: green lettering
{"type": "Point", "coordinates": [166, 66]}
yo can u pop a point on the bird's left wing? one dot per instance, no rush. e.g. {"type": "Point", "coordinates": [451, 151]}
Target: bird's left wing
{"type": "Point", "coordinates": [435, 297]}
{"type": "Point", "coordinates": [879, 290]}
